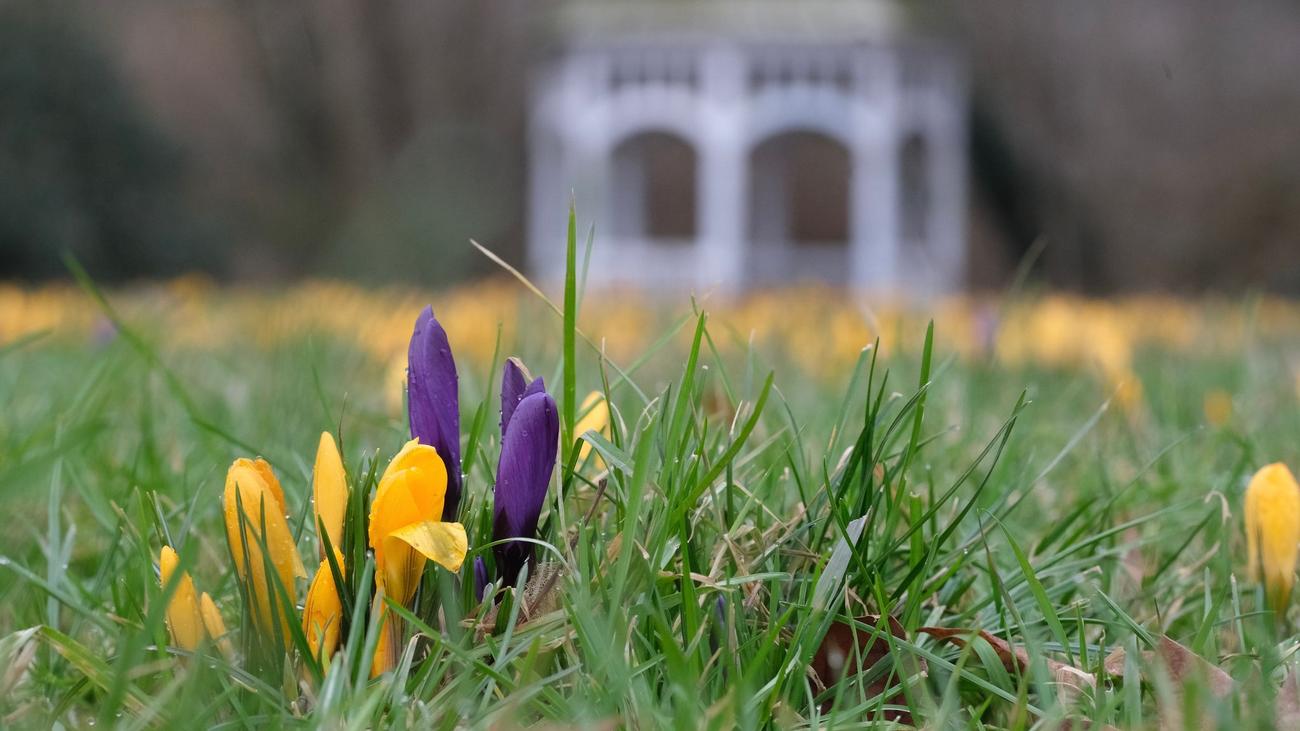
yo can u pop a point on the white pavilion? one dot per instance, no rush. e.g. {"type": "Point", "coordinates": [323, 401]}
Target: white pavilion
{"type": "Point", "coordinates": [733, 145]}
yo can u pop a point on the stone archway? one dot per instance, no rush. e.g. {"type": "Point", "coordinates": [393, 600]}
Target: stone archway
{"type": "Point", "coordinates": [653, 186]}
{"type": "Point", "coordinates": [799, 209]}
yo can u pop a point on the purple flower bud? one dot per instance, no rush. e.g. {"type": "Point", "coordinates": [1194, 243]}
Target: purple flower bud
{"type": "Point", "coordinates": [523, 475]}
{"type": "Point", "coordinates": [514, 387]}
{"type": "Point", "coordinates": [433, 401]}
{"type": "Point", "coordinates": [480, 577]}
{"type": "Point", "coordinates": [513, 383]}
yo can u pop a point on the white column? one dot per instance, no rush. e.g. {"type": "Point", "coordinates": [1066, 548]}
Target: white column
{"type": "Point", "coordinates": [721, 186]}
{"type": "Point", "coordinates": [587, 124]}
{"type": "Point", "coordinates": [874, 195]}
{"type": "Point", "coordinates": [947, 178]}
{"type": "Point", "coordinates": [560, 165]}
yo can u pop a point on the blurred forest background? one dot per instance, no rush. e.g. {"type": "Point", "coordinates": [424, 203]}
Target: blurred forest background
{"type": "Point", "coordinates": [1146, 145]}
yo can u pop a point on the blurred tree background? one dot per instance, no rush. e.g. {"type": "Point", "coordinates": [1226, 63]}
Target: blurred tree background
{"type": "Point", "coordinates": [1151, 144]}
{"type": "Point", "coordinates": [82, 167]}
{"type": "Point", "coordinates": [1145, 145]}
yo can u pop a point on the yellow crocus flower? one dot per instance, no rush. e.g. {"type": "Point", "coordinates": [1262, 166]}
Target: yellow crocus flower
{"type": "Point", "coordinates": [252, 484]}
{"type": "Point", "coordinates": [323, 612]}
{"type": "Point", "coordinates": [329, 491]}
{"type": "Point", "coordinates": [594, 416]}
{"type": "Point", "coordinates": [406, 529]}
{"type": "Point", "coordinates": [184, 621]}
{"type": "Point", "coordinates": [214, 624]}
{"type": "Point", "coordinates": [1273, 530]}
{"type": "Point", "coordinates": [405, 522]}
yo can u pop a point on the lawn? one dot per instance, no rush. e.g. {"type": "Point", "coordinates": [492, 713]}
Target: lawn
{"type": "Point", "coordinates": [804, 512]}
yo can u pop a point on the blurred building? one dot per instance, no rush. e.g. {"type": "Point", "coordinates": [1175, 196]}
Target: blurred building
{"type": "Point", "coordinates": [749, 144]}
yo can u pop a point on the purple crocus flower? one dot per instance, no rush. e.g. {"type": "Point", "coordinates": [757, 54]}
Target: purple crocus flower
{"type": "Point", "coordinates": [432, 400]}
{"type": "Point", "coordinates": [530, 436]}
{"type": "Point", "coordinates": [480, 577]}
{"type": "Point", "coordinates": [515, 385]}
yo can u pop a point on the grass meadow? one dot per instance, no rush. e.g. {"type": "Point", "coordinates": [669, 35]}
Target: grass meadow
{"type": "Point", "coordinates": [805, 512]}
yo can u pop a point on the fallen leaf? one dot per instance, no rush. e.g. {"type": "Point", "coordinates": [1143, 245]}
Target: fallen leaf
{"type": "Point", "coordinates": [836, 656]}
{"type": "Point", "coordinates": [1015, 659]}
{"type": "Point", "coordinates": [1180, 663]}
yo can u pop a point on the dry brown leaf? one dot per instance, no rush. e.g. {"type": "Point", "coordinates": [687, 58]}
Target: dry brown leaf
{"type": "Point", "coordinates": [1180, 663]}
{"type": "Point", "coordinates": [1015, 659]}
{"type": "Point", "coordinates": [836, 655]}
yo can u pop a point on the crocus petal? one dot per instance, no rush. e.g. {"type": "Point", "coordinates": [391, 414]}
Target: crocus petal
{"type": "Point", "coordinates": [247, 485]}
{"type": "Point", "coordinates": [420, 456]}
{"type": "Point", "coordinates": [215, 625]}
{"type": "Point", "coordinates": [594, 417]}
{"type": "Point", "coordinates": [523, 476]}
{"type": "Point", "coordinates": [263, 469]}
{"type": "Point", "coordinates": [411, 490]}
{"type": "Point", "coordinates": [323, 612]}
{"type": "Point", "coordinates": [183, 618]}
{"type": "Point", "coordinates": [1272, 508]}
{"type": "Point", "coordinates": [536, 386]}
{"type": "Point", "coordinates": [514, 379]}
{"type": "Point", "coordinates": [329, 490]}
{"type": "Point", "coordinates": [515, 387]}
{"type": "Point", "coordinates": [443, 543]}
{"type": "Point", "coordinates": [433, 401]}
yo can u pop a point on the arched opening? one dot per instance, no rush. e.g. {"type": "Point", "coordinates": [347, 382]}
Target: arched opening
{"type": "Point", "coordinates": [799, 208]}
{"type": "Point", "coordinates": [653, 188]}
{"type": "Point", "coordinates": [914, 190]}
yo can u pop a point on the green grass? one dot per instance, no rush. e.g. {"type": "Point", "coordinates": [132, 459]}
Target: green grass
{"type": "Point", "coordinates": [748, 508]}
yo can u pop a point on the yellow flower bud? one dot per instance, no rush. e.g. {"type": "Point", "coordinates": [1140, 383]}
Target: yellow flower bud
{"type": "Point", "coordinates": [183, 619]}
{"type": "Point", "coordinates": [593, 416]}
{"type": "Point", "coordinates": [251, 483]}
{"type": "Point", "coordinates": [323, 612]}
{"type": "Point", "coordinates": [329, 491]}
{"type": "Point", "coordinates": [1273, 530]}
{"type": "Point", "coordinates": [215, 625]}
